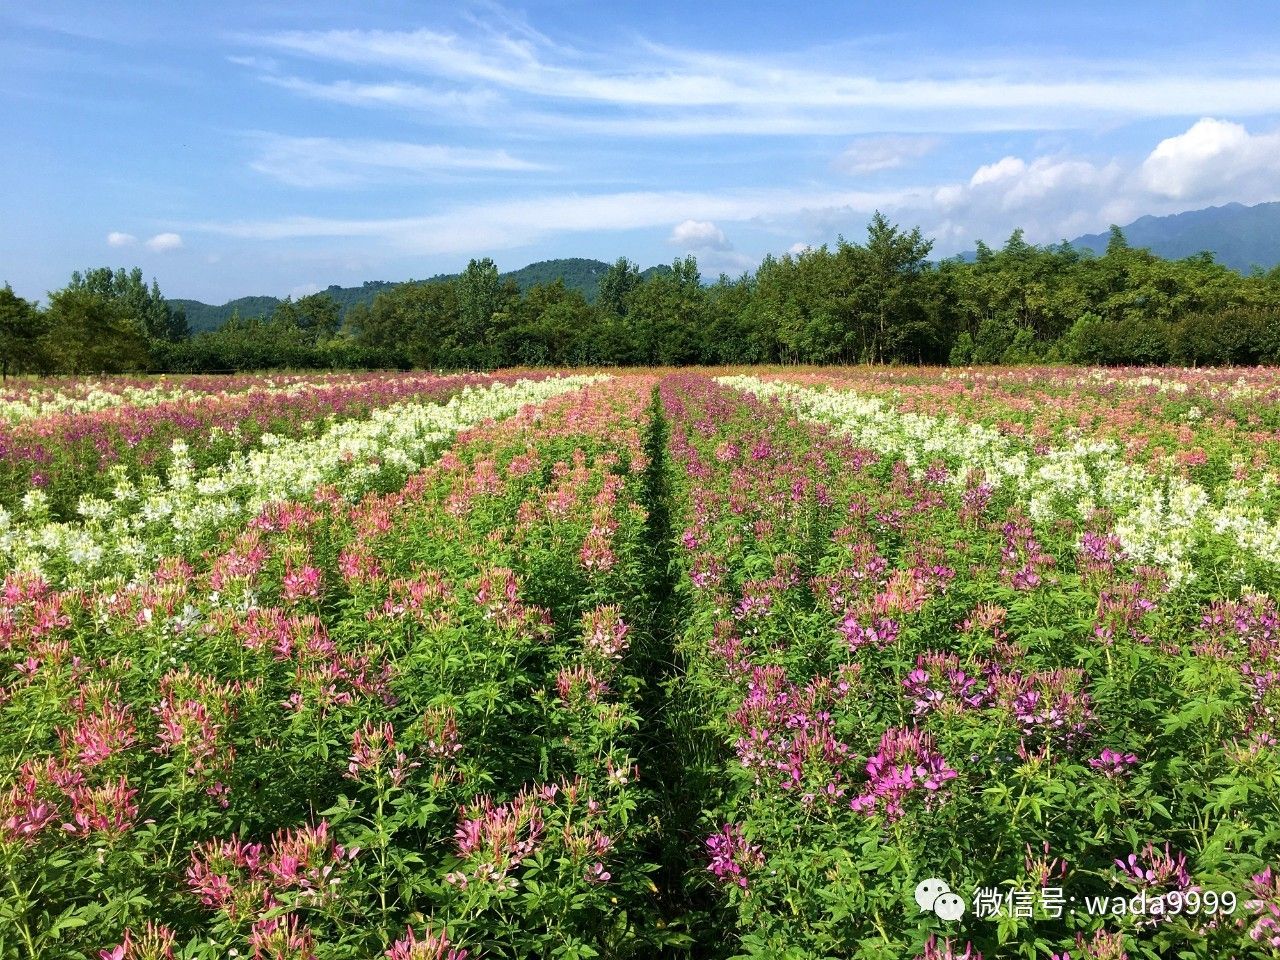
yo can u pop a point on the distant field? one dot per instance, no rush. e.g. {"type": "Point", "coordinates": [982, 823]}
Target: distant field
{"type": "Point", "coordinates": [708, 663]}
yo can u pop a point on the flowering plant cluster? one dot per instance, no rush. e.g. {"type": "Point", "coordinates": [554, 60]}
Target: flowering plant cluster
{"type": "Point", "coordinates": [74, 451]}
{"type": "Point", "coordinates": [649, 663]}
{"type": "Point", "coordinates": [920, 646]}
{"type": "Point", "coordinates": [378, 717]}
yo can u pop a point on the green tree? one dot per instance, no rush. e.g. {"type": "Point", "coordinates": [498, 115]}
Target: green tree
{"type": "Point", "coordinates": [890, 291]}
{"type": "Point", "coordinates": [479, 298]}
{"type": "Point", "coordinates": [616, 285]}
{"type": "Point", "coordinates": [90, 332]}
{"type": "Point", "coordinates": [131, 295]}
{"type": "Point", "coordinates": [21, 327]}
{"type": "Point", "coordinates": [667, 315]}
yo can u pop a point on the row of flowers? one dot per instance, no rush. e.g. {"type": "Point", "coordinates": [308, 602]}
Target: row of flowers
{"type": "Point", "coordinates": [71, 455]}
{"type": "Point", "coordinates": [70, 395]}
{"type": "Point", "coordinates": [1160, 518]}
{"type": "Point", "coordinates": [125, 532]}
{"type": "Point", "coordinates": [907, 675]}
{"type": "Point", "coordinates": [1207, 425]}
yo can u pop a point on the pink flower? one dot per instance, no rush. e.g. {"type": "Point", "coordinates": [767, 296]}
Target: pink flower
{"type": "Point", "coordinates": [157, 943]}
{"type": "Point", "coordinates": [906, 763]}
{"type": "Point", "coordinates": [1112, 763]}
{"type": "Point", "coordinates": [300, 584]}
{"type": "Point", "coordinates": [440, 727]}
{"type": "Point", "coordinates": [604, 633]}
{"type": "Point", "coordinates": [732, 856]}
{"type": "Point", "coordinates": [108, 808]}
{"type": "Point", "coordinates": [1154, 867]}
{"type": "Point", "coordinates": [935, 949]}
{"type": "Point", "coordinates": [429, 946]}
{"type": "Point", "coordinates": [102, 732]}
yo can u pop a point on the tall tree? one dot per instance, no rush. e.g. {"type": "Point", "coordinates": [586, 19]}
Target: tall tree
{"type": "Point", "coordinates": [479, 298]}
{"type": "Point", "coordinates": [131, 295]}
{"type": "Point", "coordinates": [891, 289]}
{"type": "Point", "coordinates": [616, 285]}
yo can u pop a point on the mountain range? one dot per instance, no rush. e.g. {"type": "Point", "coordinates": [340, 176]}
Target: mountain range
{"type": "Point", "coordinates": [1239, 236]}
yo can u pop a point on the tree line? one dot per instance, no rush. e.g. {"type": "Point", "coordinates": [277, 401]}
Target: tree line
{"type": "Point", "coordinates": [879, 301]}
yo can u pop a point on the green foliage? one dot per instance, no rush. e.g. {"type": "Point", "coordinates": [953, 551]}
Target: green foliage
{"type": "Point", "coordinates": [880, 301]}
{"type": "Point", "coordinates": [88, 331]}
{"type": "Point", "coordinates": [616, 285]}
{"type": "Point", "coordinates": [1237, 335]}
{"type": "Point", "coordinates": [21, 327]}
{"type": "Point", "coordinates": [144, 306]}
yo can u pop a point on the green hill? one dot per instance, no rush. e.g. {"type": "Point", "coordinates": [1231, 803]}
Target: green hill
{"type": "Point", "coordinates": [576, 272]}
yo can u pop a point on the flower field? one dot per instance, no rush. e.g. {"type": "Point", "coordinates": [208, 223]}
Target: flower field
{"type": "Point", "coordinates": [645, 663]}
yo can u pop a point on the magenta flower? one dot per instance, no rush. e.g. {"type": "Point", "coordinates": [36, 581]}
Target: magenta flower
{"type": "Point", "coordinates": [732, 856]}
{"type": "Point", "coordinates": [428, 946]}
{"type": "Point", "coordinates": [1264, 905]}
{"type": "Point", "coordinates": [1154, 867]}
{"type": "Point", "coordinates": [1112, 763]}
{"type": "Point", "coordinates": [935, 949]}
{"type": "Point", "coordinates": [907, 763]}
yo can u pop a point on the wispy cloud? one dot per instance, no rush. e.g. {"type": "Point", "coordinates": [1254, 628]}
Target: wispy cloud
{"type": "Point", "coordinates": [1052, 196]}
{"type": "Point", "coordinates": [524, 65]}
{"type": "Point", "coordinates": [873, 154]}
{"type": "Point", "coordinates": [117, 239]}
{"type": "Point", "coordinates": [506, 224]}
{"type": "Point", "coordinates": [327, 162]}
{"type": "Point", "coordinates": [408, 96]}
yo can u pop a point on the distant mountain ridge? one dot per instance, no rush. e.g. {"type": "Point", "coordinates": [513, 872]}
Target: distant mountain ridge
{"type": "Point", "coordinates": [1238, 236]}
{"type": "Point", "coordinates": [578, 273]}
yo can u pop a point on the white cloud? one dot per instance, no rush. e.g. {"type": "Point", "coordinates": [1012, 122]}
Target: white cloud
{"type": "Point", "coordinates": [798, 248]}
{"type": "Point", "coordinates": [117, 239]}
{"type": "Point", "coordinates": [305, 290]}
{"type": "Point", "coordinates": [698, 235]}
{"type": "Point", "coordinates": [1056, 197]}
{"type": "Point", "coordinates": [266, 64]}
{"type": "Point", "coordinates": [1051, 197]}
{"type": "Point", "coordinates": [1003, 169]}
{"type": "Point", "coordinates": [325, 162]}
{"type": "Point", "coordinates": [874, 154]}
{"type": "Point", "coordinates": [1212, 158]}
{"type": "Point", "coordinates": [164, 242]}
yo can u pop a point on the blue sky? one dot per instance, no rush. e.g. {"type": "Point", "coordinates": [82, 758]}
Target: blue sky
{"type": "Point", "coordinates": [273, 147]}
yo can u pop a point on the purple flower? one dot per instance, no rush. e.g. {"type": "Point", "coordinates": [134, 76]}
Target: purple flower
{"type": "Point", "coordinates": [1113, 763]}
{"type": "Point", "coordinates": [907, 762]}
{"type": "Point", "coordinates": [732, 856]}
{"type": "Point", "coordinates": [1154, 867]}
